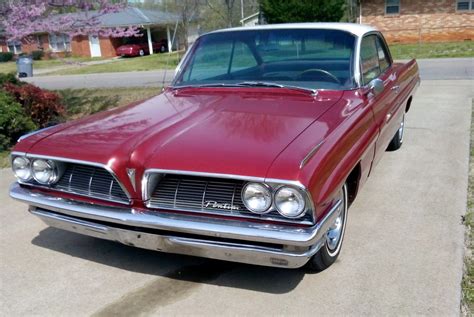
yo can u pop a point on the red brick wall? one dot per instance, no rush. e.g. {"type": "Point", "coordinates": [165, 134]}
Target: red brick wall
{"type": "Point", "coordinates": [80, 46]}
{"type": "Point", "coordinates": [38, 42]}
{"type": "Point", "coordinates": [420, 21]}
{"type": "Point", "coordinates": [3, 46]}
{"type": "Point", "coordinates": [108, 46]}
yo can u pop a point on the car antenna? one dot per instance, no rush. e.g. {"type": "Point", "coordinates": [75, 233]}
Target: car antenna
{"type": "Point", "coordinates": [169, 55]}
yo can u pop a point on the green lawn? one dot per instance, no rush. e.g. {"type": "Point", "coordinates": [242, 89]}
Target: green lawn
{"type": "Point", "coordinates": [9, 67]}
{"type": "Point", "coordinates": [4, 159]}
{"type": "Point", "coordinates": [432, 50]}
{"type": "Point", "coordinates": [468, 279]}
{"type": "Point", "coordinates": [82, 102]}
{"type": "Point", "coordinates": [127, 64]}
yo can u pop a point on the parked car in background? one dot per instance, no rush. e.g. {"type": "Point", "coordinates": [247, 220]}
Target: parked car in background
{"type": "Point", "coordinates": [141, 48]}
{"type": "Point", "coordinates": [253, 154]}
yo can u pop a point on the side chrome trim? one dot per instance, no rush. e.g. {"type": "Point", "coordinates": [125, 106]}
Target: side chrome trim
{"type": "Point", "coordinates": [310, 154]}
{"type": "Point", "coordinates": [68, 160]}
{"type": "Point", "coordinates": [357, 62]}
{"type": "Point", "coordinates": [15, 153]}
{"type": "Point", "coordinates": [198, 225]}
{"type": "Point", "coordinates": [24, 136]}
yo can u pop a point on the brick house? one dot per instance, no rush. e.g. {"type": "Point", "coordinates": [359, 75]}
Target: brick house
{"type": "Point", "coordinates": [413, 21]}
{"type": "Point", "coordinates": [156, 25]}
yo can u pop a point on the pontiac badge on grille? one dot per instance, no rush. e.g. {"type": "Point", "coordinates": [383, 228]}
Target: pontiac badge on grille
{"type": "Point", "coordinates": [216, 205]}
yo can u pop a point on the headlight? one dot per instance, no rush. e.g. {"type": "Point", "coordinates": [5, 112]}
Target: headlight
{"type": "Point", "coordinates": [21, 168]}
{"type": "Point", "coordinates": [46, 172]}
{"type": "Point", "coordinates": [289, 202]}
{"type": "Point", "coordinates": [256, 197]}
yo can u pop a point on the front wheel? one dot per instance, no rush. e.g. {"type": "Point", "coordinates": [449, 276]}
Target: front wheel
{"type": "Point", "coordinates": [141, 52]}
{"type": "Point", "coordinates": [329, 252]}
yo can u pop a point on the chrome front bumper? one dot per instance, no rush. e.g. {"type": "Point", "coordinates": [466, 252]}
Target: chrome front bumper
{"type": "Point", "coordinates": [230, 240]}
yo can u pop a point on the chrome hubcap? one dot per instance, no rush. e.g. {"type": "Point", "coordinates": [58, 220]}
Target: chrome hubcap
{"type": "Point", "coordinates": [334, 233]}
{"type": "Point", "coordinates": [401, 129]}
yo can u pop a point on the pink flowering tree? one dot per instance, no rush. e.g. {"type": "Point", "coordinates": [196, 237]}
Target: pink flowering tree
{"type": "Point", "coordinates": [21, 19]}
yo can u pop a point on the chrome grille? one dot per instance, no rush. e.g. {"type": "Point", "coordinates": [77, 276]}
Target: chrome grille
{"type": "Point", "coordinates": [207, 195]}
{"type": "Point", "coordinates": [90, 181]}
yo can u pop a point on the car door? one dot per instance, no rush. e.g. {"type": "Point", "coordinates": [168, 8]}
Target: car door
{"type": "Point", "coordinates": [376, 64]}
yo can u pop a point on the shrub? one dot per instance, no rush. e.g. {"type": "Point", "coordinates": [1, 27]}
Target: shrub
{"type": "Point", "coordinates": [13, 121]}
{"type": "Point", "coordinates": [8, 78]}
{"type": "Point", "coordinates": [6, 57]}
{"type": "Point", "coordinates": [43, 106]}
{"type": "Point", "coordinates": [37, 55]}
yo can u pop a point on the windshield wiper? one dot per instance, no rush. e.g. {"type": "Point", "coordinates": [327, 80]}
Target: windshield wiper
{"type": "Point", "coordinates": [206, 85]}
{"type": "Point", "coordinates": [276, 85]}
{"type": "Point", "coordinates": [250, 84]}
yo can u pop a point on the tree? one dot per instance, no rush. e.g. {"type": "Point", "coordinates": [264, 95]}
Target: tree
{"type": "Point", "coordinates": [286, 11]}
{"type": "Point", "coordinates": [226, 13]}
{"type": "Point", "coordinates": [225, 9]}
{"type": "Point", "coordinates": [187, 10]}
{"type": "Point", "coordinates": [21, 19]}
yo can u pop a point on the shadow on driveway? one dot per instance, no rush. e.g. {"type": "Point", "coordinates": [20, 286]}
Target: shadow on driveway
{"type": "Point", "coordinates": [172, 266]}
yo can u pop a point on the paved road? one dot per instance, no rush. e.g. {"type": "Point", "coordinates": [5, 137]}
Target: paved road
{"type": "Point", "coordinates": [402, 254]}
{"type": "Point", "coordinates": [446, 68]}
{"type": "Point", "coordinates": [430, 69]}
{"type": "Point", "coordinates": [104, 80]}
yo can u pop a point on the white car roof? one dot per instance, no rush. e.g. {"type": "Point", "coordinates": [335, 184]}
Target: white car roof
{"type": "Point", "coordinates": [357, 29]}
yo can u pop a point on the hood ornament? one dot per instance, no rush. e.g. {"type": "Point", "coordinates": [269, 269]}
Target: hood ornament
{"type": "Point", "coordinates": [131, 176]}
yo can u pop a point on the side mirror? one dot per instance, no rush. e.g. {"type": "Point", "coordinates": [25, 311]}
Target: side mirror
{"type": "Point", "coordinates": [376, 86]}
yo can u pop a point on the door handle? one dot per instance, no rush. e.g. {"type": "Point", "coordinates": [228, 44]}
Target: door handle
{"type": "Point", "coordinates": [396, 88]}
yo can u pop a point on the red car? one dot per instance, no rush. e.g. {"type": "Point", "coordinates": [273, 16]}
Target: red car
{"type": "Point", "coordinates": [141, 49]}
{"type": "Point", "coordinates": [253, 154]}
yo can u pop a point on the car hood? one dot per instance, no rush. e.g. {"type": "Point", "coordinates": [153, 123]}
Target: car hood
{"type": "Point", "coordinates": [217, 130]}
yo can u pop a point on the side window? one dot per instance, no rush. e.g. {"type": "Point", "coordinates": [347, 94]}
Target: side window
{"type": "Point", "coordinates": [369, 59]}
{"type": "Point", "coordinates": [382, 52]}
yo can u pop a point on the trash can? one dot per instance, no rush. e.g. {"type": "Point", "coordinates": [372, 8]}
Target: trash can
{"type": "Point", "coordinates": [24, 66]}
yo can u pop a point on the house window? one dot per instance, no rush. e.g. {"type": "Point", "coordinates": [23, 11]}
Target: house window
{"type": "Point", "coordinates": [14, 47]}
{"type": "Point", "coordinates": [465, 5]}
{"type": "Point", "coordinates": [392, 6]}
{"type": "Point", "coordinates": [60, 42]}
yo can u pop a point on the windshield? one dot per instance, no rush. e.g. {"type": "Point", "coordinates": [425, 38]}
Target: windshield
{"type": "Point", "coordinates": [306, 58]}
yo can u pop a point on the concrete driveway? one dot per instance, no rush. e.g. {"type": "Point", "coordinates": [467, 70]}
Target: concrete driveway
{"type": "Point", "coordinates": [430, 69]}
{"type": "Point", "coordinates": [402, 254]}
